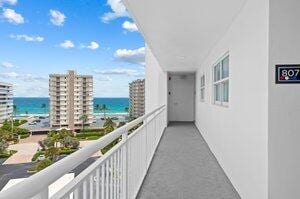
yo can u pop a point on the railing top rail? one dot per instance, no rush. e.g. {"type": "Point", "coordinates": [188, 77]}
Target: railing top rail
{"type": "Point", "coordinates": [39, 181]}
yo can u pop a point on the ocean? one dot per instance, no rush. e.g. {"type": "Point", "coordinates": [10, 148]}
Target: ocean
{"type": "Point", "coordinates": [34, 105]}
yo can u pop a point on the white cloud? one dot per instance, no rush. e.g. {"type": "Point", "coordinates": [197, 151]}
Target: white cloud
{"type": "Point", "coordinates": [12, 17]}
{"type": "Point", "coordinates": [104, 78]}
{"type": "Point", "coordinates": [9, 2]}
{"type": "Point", "coordinates": [36, 89]}
{"type": "Point", "coordinates": [129, 26]}
{"type": "Point", "coordinates": [136, 56]}
{"type": "Point", "coordinates": [31, 78]}
{"type": "Point", "coordinates": [118, 10]}
{"type": "Point", "coordinates": [9, 75]}
{"type": "Point", "coordinates": [7, 64]}
{"type": "Point", "coordinates": [57, 18]}
{"type": "Point", "coordinates": [93, 45]}
{"type": "Point", "coordinates": [27, 38]}
{"type": "Point", "coordinates": [120, 71]}
{"type": "Point", "coordinates": [24, 77]}
{"type": "Point", "coordinates": [67, 44]}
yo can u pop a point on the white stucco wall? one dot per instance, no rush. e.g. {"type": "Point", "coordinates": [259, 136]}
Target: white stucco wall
{"type": "Point", "coordinates": [155, 83]}
{"type": "Point", "coordinates": [237, 135]}
{"type": "Point", "coordinates": [284, 107]}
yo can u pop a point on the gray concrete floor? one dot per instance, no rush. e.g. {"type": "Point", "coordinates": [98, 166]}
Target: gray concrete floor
{"type": "Point", "coordinates": [183, 167]}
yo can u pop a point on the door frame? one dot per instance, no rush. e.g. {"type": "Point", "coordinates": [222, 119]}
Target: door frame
{"type": "Point", "coordinates": [169, 74]}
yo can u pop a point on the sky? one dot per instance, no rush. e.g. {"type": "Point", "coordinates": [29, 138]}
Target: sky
{"type": "Point", "coordinates": [93, 37]}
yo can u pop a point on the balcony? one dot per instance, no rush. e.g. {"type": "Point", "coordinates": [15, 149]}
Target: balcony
{"type": "Point", "coordinates": [184, 167]}
{"type": "Point", "coordinates": [151, 162]}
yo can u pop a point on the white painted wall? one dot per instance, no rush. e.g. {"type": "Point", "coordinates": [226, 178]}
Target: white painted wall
{"type": "Point", "coordinates": [182, 97]}
{"type": "Point", "coordinates": [155, 83]}
{"type": "Point", "coordinates": [284, 102]}
{"type": "Point", "coordinates": [238, 134]}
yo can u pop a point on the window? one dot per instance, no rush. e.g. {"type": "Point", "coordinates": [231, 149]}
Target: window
{"type": "Point", "coordinates": [202, 88]}
{"type": "Point", "coordinates": [221, 82]}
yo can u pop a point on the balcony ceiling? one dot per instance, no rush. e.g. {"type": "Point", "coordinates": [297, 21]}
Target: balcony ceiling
{"type": "Point", "coordinates": [181, 33]}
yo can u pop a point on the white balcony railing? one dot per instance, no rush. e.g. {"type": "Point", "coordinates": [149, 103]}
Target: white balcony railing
{"type": "Point", "coordinates": [116, 175]}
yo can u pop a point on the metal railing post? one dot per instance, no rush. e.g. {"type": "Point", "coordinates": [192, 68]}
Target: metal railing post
{"type": "Point", "coordinates": [125, 166]}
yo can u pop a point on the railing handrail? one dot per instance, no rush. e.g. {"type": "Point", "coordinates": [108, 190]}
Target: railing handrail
{"type": "Point", "coordinates": [37, 182]}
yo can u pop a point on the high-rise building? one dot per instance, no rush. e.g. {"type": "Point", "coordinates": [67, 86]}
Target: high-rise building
{"type": "Point", "coordinates": [6, 101]}
{"type": "Point", "coordinates": [71, 97]}
{"type": "Point", "coordinates": [137, 98]}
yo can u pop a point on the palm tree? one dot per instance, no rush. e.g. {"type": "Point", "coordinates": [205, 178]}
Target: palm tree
{"type": "Point", "coordinates": [97, 107]}
{"type": "Point", "coordinates": [109, 125]}
{"type": "Point", "coordinates": [56, 139]}
{"type": "Point", "coordinates": [104, 108]}
{"type": "Point", "coordinates": [15, 109]}
{"type": "Point", "coordinates": [84, 118]}
{"type": "Point", "coordinates": [12, 121]}
{"type": "Point", "coordinates": [44, 106]}
{"type": "Point", "coordinates": [126, 109]}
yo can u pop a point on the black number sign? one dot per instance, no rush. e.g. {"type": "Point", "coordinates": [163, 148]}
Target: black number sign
{"type": "Point", "coordinates": [287, 74]}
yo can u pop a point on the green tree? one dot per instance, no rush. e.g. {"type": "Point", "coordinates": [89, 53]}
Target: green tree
{"type": "Point", "coordinates": [6, 134]}
{"type": "Point", "coordinates": [47, 143]}
{"type": "Point", "coordinates": [55, 136]}
{"type": "Point", "coordinates": [3, 146]}
{"type": "Point", "coordinates": [83, 118]}
{"type": "Point", "coordinates": [104, 108]}
{"type": "Point", "coordinates": [109, 129]}
{"type": "Point", "coordinates": [52, 153]}
{"type": "Point", "coordinates": [109, 125]}
{"type": "Point", "coordinates": [109, 122]}
{"type": "Point", "coordinates": [70, 142]}
{"type": "Point", "coordinates": [8, 125]}
{"type": "Point", "coordinates": [64, 133]}
{"type": "Point", "coordinates": [43, 164]}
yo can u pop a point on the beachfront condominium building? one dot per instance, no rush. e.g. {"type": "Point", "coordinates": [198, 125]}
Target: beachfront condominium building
{"type": "Point", "coordinates": [137, 98]}
{"type": "Point", "coordinates": [71, 98]}
{"type": "Point", "coordinates": [6, 101]}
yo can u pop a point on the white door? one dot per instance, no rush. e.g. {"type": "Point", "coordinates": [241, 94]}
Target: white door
{"type": "Point", "coordinates": [181, 97]}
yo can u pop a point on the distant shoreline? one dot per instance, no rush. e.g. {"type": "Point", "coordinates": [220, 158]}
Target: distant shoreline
{"type": "Point", "coordinates": [94, 114]}
{"type": "Point", "coordinates": [93, 97]}
{"type": "Point", "coordinates": [40, 106]}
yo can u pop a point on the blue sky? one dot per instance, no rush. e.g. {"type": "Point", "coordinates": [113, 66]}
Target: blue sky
{"type": "Point", "coordinates": [95, 37]}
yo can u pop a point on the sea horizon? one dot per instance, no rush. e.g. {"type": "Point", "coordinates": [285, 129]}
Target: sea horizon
{"type": "Point", "coordinates": [35, 105]}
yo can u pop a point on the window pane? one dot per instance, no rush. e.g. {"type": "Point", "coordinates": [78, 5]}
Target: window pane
{"type": "Point", "coordinates": [225, 67]}
{"type": "Point", "coordinates": [202, 93]}
{"type": "Point", "coordinates": [202, 81]}
{"type": "Point", "coordinates": [217, 72]}
{"type": "Point", "coordinates": [217, 92]}
{"type": "Point", "coordinates": [225, 86]}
